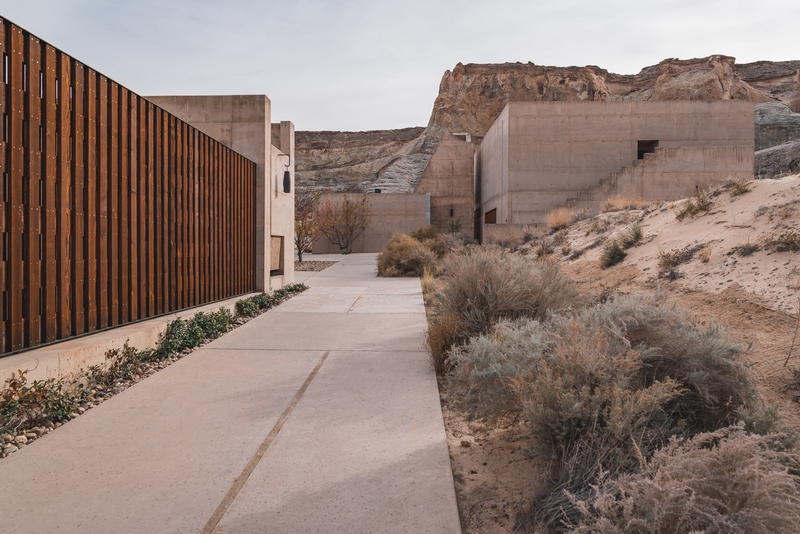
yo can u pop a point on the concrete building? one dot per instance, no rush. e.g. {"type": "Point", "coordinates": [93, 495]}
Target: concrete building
{"type": "Point", "coordinates": [541, 155]}
{"type": "Point", "coordinates": [242, 122]}
{"type": "Point", "coordinates": [443, 197]}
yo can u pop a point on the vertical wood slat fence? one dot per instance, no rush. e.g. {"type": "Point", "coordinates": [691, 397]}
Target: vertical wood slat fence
{"type": "Point", "coordinates": [112, 210]}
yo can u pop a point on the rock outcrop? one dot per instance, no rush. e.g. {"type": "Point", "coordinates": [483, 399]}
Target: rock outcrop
{"type": "Point", "coordinates": [777, 161]}
{"type": "Point", "coordinates": [775, 125]}
{"type": "Point", "coordinates": [471, 96]}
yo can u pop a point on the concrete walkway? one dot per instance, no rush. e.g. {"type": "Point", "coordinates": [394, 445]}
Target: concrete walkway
{"type": "Point", "coordinates": [321, 415]}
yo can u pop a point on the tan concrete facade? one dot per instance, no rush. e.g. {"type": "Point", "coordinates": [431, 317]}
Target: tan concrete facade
{"type": "Point", "coordinates": [541, 155]}
{"type": "Point", "coordinates": [242, 122]}
{"type": "Point", "coordinates": [392, 213]}
{"type": "Point", "coordinates": [449, 179]}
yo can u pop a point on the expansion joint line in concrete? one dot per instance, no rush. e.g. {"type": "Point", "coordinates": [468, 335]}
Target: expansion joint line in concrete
{"type": "Point", "coordinates": [262, 450]}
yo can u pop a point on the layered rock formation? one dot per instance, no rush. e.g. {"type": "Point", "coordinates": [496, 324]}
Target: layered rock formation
{"type": "Point", "coordinates": [471, 96]}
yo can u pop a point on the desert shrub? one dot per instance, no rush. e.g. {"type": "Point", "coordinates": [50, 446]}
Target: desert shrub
{"type": "Point", "coordinates": [738, 187]}
{"type": "Point", "coordinates": [745, 250]}
{"type": "Point", "coordinates": [578, 216]}
{"type": "Point", "coordinates": [455, 241]}
{"type": "Point", "coordinates": [667, 261]}
{"type": "Point", "coordinates": [454, 227]}
{"type": "Point", "coordinates": [613, 253]}
{"type": "Point", "coordinates": [632, 236]}
{"type": "Point", "coordinates": [602, 389]}
{"type": "Point", "coordinates": [699, 201]}
{"type": "Point", "coordinates": [624, 202]}
{"type": "Point", "coordinates": [444, 332]}
{"type": "Point", "coordinates": [405, 256]}
{"type": "Point", "coordinates": [725, 481]}
{"type": "Point", "coordinates": [425, 233]}
{"type": "Point", "coordinates": [544, 247]}
{"type": "Point", "coordinates": [559, 218]}
{"type": "Point", "coordinates": [488, 285]}
{"type": "Point", "coordinates": [788, 241]}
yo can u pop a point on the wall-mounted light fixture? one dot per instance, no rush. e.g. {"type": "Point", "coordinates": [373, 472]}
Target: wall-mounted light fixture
{"type": "Point", "coordinates": [287, 176]}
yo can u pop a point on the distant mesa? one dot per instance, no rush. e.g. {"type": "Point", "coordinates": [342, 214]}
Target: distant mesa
{"type": "Point", "coordinates": [471, 97]}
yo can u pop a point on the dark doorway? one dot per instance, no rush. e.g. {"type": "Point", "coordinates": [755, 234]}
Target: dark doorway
{"type": "Point", "coordinates": [490, 217]}
{"type": "Point", "coordinates": [645, 147]}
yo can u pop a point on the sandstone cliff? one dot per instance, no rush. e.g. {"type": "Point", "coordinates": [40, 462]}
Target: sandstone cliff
{"type": "Point", "coordinates": [471, 96]}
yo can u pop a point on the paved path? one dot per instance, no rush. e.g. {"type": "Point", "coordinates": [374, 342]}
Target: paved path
{"type": "Point", "coordinates": [321, 415]}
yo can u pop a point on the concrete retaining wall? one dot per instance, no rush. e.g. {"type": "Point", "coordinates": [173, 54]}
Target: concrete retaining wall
{"type": "Point", "coordinates": [391, 213]}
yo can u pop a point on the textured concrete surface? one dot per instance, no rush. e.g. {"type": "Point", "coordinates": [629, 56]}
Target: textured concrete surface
{"type": "Point", "coordinates": [194, 448]}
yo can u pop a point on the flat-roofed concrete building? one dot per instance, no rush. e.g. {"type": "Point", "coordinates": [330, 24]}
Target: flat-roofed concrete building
{"type": "Point", "coordinates": [538, 156]}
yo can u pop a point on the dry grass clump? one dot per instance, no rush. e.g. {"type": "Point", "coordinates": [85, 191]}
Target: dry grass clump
{"type": "Point", "coordinates": [699, 201]}
{"type": "Point", "coordinates": [788, 241]}
{"type": "Point", "coordinates": [601, 390]}
{"type": "Point", "coordinates": [705, 253]}
{"type": "Point", "coordinates": [725, 481]}
{"type": "Point", "coordinates": [405, 256]}
{"type": "Point", "coordinates": [738, 187]}
{"type": "Point", "coordinates": [668, 261]}
{"type": "Point", "coordinates": [624, 202]}
{"type": "Point", "coordinates": [559, 218]}
{"type": "Point", "coordinates": [613, 253]}
{"type": "Point", "coordinates": [747, 249]}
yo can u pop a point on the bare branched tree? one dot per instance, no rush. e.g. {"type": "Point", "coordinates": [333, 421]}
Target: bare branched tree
{"type": "Point", "coordinates": [306, 223]}
{"type": "Point", "coordinates": [344, 222]}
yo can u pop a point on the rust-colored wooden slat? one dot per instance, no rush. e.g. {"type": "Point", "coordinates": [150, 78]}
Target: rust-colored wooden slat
{"type": "Point", "coordinates": [33, 172]}
{"type": "Point", "coordinates": [77, 252]}
{"type": "Point", "coordinates": [207, 214]}
{"type": "Point", "coordinates": [195, 237]}
{"type": "Point", "coordinates": [5, 164]}
{"type": "Point", "coordinates": [113, 203]}
{"type": "Point", "coordinates": [90, 198]}
{"type": "Point", "coordinates": [215, 216]}
{"type": "Point", "coordinates": [158, 221]}
{"type": "Point", "coordinates": [180, 210]}
{"type": "Point", "coordinates": [103, 228]}
{"type": "Point", "coordinates": [64, 200]}
{"type": "Point", "coordinates": [124, 205]}
{"type": "Point", "coordinates": [133, 207]}
{"type": "Point", "coordinates": [165, 221]}
{"type": "Point", "coordinates": [142, 156]}
{"type": "Point", "coordinates": [151, 210]}
{"type": "Point", "coordinates": [15, 263]}
{"type": "Point", "coordinates": [50, 177]}
{"type": "Point", "coordinates": [173, 215]}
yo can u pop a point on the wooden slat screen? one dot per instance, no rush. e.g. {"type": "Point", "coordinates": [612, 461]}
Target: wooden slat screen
{"type": "Point", "coordinates": [111, 210]}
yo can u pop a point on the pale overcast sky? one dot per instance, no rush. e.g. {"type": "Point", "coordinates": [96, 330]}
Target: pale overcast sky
{"type": "Point", "coordinates": [374, 64]}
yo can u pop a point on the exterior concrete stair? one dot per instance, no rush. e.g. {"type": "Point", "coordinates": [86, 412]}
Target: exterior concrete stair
{"type": "Point", "coordinates": [593, 197]}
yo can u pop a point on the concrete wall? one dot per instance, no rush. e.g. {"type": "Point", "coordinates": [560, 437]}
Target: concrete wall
{"type": "Point", "coordinates": [539, 155]}
{"type": "Point", "coordinates": [392, 213]}
{"type": "Point", "coordinates": [449, 178]}
{"type": "Point", "coordinates": [282, 204]}
{"type": "Point", "coordinates": [242, 122]}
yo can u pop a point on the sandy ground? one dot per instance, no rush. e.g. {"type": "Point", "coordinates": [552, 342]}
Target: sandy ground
{"type": "Point", "coordinates": [756, 298]}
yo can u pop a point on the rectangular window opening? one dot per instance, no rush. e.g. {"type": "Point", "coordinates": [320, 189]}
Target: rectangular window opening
{"type": "Point", "coordinates": [490, 217]}
{"type": "Point", "coordinates": [41, 84]}
{"type": "Point", "coordinates": [24, 76]}
{"type": "Point", "coordinates": [5, 67]}
{"type": "Point", "coordinates": [5, 305]}
{"type": "Point", "coordinates": [276, 255]}
{"type": "Point", "coordinates": [645, 147]}
{"type": "Point", "coordinates": [5, 127]}
{"type": "Point", "coordinates": [24, 133]}
{"type": "Point", "coordinates": [5, 187]}
{"type": "Point", "coordinates": [41, 137]}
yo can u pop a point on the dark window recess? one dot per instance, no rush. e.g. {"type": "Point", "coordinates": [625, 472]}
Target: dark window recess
{"type": "Point", "coordinates": [41, 246]}
{"type": "Point", "coordinates": [451, 212]}
{"type": "Point", "coordinates": [24, 76]}
{"type": "Point", "coordinates": [645, 147]}
{"type": "Point", "coordinates": [5, 127]}
{"type": "Point", "coordinates": [41, 300]}
{"type": "Point", "coordinates": [24, 190]}
{"type": "Point", "coordinates": [5, 67]}
{"type": "Point", "coordinates": [41, 137]}
{"type": "Point", "coordinates": [5, 305]}
{"type": "Point", "coordinates": [56, 88]}
{"type": "Point", "coordinates": [490, 217]}
{"type": "Point", "coordinates": [41, 84]}
{"type": "Point", "coordinates": [5, 246]}
{"type": "Point", "coordinates": [5, 187]}
{"type": "Point", "coordinates": [24, 133]}
{"type": "Point", "coordinates": [24, 248]}
{"type": "Point", "coordinates": [24, 303]}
